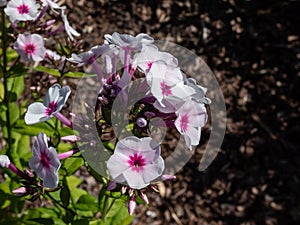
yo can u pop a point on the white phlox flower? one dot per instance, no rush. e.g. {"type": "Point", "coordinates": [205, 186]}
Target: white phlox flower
{"type": "Point", "coordinates": [22, 10]}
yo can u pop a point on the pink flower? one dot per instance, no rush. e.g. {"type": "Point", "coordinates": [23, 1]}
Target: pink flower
{"type": "Point", "coordinates": [167, 86]}
{"type": "Point", "coordinates": [136, 162]}
{"type": "Point", "coordinates": [45, 162]}
{"type": "Point", "coordinates": [30, 47]}
{"type": "Point", "coordinates": [127, 41]}
{"type": "Point", "coordinates": [22, 10]}
{"type": "Point", "coordinates": [53, 102]}
{"type": "Point", "coordinates": [89, 56]}
{"type": "Point", "coordinates": [149, 55]}
{"type": "Point", "coordinates": [191, 116]}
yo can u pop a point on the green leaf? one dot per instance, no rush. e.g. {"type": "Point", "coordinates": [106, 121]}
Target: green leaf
{"type": "Point", "coordinates": [1, 91]}
{"type": "Point", "coordinates": [50, 71]}
{"type": "Point", "coordinates": [66, 131]}
{"type": "Point", "coordinates": [81, 222]}
{"type": "Point", "coordinates": [17, 70]}
{"type": "Point", "coordinates": [65, 194]}
{"type": "Point", "coordinates": [35, 129]}
{"type": "Point", "coordinates": [69, 217]}
{"type": "Point", "coordinates": [11, 55]}
{"type": "Point", "coordinates": [72, 165]}
{"type": "Point", "coordinates": [87, 203]}
{"type": "Point", "coordinates": [14, 112]}
{"type": "Point", "coordinates": [73, 182]}
{"type": "Point", "coordinates": [24, 149]}
{"type": "Point", "coordinates": [16, 85]}
{"type": "Point", "coordinates": [4, 200]}
{"type": "Point", "coordinates": [118, 214]}
{"type": "Point", "coordinates": [44, 221]}
{"type": "Point", "coordinates": [77, 74]}
{"type": "Point", "coordinates": [63, 147]}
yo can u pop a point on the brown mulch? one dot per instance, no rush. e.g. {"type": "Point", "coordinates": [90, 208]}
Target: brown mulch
{"type": "Point", "coordinates": [253, 49]}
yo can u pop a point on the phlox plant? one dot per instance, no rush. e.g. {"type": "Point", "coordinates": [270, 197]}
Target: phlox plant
{"type": "Point", "coordinates": [44, 143]}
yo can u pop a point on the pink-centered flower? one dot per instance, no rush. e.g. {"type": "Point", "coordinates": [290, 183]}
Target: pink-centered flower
{"type": "Point", "coordinates": [44, 162]}
{"type": "Point", "coordinates": [53, 102]}
{"type": "Point", "coordinates": [191, 116]}
{"type": "Point", "coordinates": [30, 47]}
{"type": "Point", "coordinates": [90, 56]}
{"type": "Point", "coordinates": [167, 86]}
{"type": "Point", "coordinates": [22, 10]}
{"type": "Point", "coordinates": [150, 54]}
{"type": "Point", "coordinates": [136, 162]}
{"type": "Point", "coordinates": [127, 41]}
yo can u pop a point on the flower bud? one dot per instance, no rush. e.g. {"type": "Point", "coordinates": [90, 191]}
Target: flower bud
{"type": "Point", "coordinates": [4, 161]}
{"type": "Point", "coordinates": [168, 177]}
{"type": "Point", "coordinates": [123, 189]}
{"type": "Point", "coordinates": [143, 196]}
{"type": "Point", "coordinates": [141, 122]}
{"type": "Point", "coordinates": [29, 173]}
{"type": "Point", "coordinates": [131, 205]}
{"type": "Point", "coordinates": [111, 185]}
{"type": "Point", "coordinates": [154, 188]}
{"type": "Point", "coordinates": [21, 191]}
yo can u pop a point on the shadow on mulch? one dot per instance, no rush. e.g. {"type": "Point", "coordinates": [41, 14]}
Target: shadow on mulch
{"type": "Point", "coordinates": [253, 49]}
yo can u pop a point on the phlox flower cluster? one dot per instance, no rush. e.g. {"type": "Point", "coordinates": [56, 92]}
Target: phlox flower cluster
{"type": "Point", "coordinates": [136, 162]}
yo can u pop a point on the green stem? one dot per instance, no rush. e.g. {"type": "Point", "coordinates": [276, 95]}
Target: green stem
{"type": "Point", "coordinates": [56, 202]}
{"type": "Point", "coordinates": [104, 210]}
{"type": "Point", "coordinates": [6, 96]}
{"type": "Point", "coordinates": [111, 205]}
{"type": "Point", "coordinates": [62, 73]}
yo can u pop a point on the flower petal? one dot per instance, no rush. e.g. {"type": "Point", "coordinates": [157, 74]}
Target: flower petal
{"type": "Point", "coordinates": [36, 113]}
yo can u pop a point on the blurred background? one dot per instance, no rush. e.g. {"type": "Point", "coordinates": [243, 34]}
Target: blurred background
{"type": "Point", "coordinates": [253, 49]}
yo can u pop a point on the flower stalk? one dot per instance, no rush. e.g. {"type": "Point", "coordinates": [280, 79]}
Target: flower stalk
{"type": "Point", "coordinates": [64, 120]}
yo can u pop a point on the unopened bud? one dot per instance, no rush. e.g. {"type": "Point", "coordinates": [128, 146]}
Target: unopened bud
{"type": "Point", "coordinates": [123, 189]}
{"type": "Point", "coordinates": [131, 192]}
{"type": "Point", "coordinates": [149, 114]}
{"type": "Point", "coordinates": [143, 196]}
{"type": "Point", "coordinates": [168, 177]}
{"type": "Point", "coordinates": [131, 205]}
{"type": "Point", "coordinates": [29, 173]}
{"type": "Point", "coordinates": [21, 191]}
{"type": "Point", "coordinates": [154, 188]}
{"type": "Point", "coordinates": [111, 185]}
{"type": "Point", "coordinates": [141, 122]}
{"type": "Point", "coordinates": [4, 161]}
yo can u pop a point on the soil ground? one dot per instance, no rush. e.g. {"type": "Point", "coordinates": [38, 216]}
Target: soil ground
{"type": "Point", "coordinates": [253, 49]}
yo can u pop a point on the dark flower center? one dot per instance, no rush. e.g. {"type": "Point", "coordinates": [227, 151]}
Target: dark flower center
{"type": "Point", "coordinates": [23, 9]}
{"type": "Point", "coordinates": [165, 89]}
{"type": "Point", "coordinates": [136, 162]}
{"type": "Point", "coordinates": [184, 120]}
{"type": "Point", "coordinates": [51, 108]}
{"type": "Point", "coordinates": [45, 160]}
{"type": "Point", "coordinates": [29, 49]}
